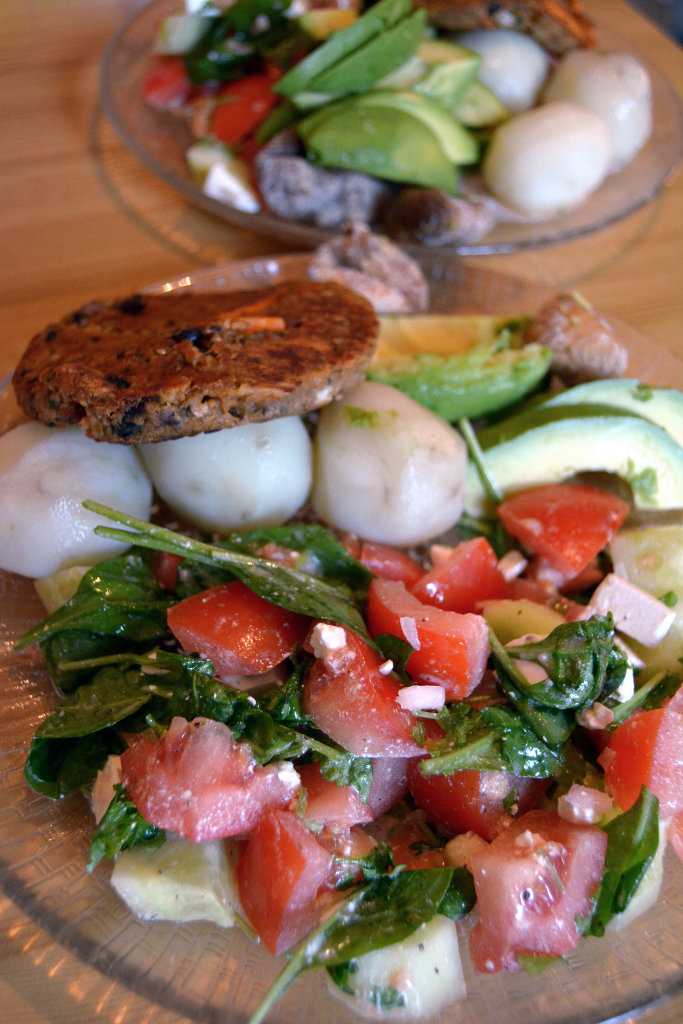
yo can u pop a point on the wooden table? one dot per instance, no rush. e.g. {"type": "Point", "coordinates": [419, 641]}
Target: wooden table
{"type": "Point", "coordinates": [81, 218]}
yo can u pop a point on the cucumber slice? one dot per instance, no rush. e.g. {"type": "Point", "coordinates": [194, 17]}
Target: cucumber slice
{"type": "Point", "coordinates": [179, 881]}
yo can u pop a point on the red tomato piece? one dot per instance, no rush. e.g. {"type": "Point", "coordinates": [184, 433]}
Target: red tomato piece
{"type": "Point", "coordinates": [567, 524]}
{"type": "Point", "coordinates": [450, 649]}
{"type": "Point", "coordinates": [341, 806]}
{"type": "Point", "coordinates": [675, 834]}
{"type": "Point", "coordinates": [280, 873]}
{"type": "Point", "coordinates": [165, 569]}
{"type": "Point", "coordinates": [390, 563]}
{"type": "Point", "coordinates": [347, 696]}
{"type": "Point", "coordinates": [533, 882]}
{"type": "Point", "coordinates": [472, 800]}
{"type": "Point", "coordinates": [239, 107]}
{"type": "Point", "coordinates": [468, 575]}
{"type": "Point", "coordinates": [408, 841]}
{"type": "Point", "coordinates": [242, 633]}
{"type": "Point", "coordinates": [647, 750]}
{"type": "Point", "coordinates": [198, 781]}
{"type": "Point", "coordinates": [166, 84]}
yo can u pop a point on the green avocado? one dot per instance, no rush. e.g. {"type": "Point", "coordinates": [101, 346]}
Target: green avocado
{"type": "Point", "coordinates": [459, 145]}
{"type": "Point", "coordinates": [479, 107]}
{"type": "Point", "coordinates": [663, 406]}
{"type": "Point", "coordinates": [451, 69]}
{"type": "Point", "coordinates": [375, 59]}
{"type": "Point", "coordinates": [340, 44]}
{"type": "Point", "coordinates": [484, 379]}
{"type": "Point", "coordinates": [553, 443]}
{"type": "Point", "coordinates": [387, 143]}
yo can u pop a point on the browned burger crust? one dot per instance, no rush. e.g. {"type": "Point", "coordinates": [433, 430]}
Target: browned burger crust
{"type": "Point", "coordinates": [558, 25]}
{"type": "Point", "coordinates": [157, 367]}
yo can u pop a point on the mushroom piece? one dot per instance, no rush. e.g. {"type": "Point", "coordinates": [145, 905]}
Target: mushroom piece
{"type": "Point", "coordinates": [375, 268]}
{"type": "Point", "coordinates": [433, 217]}
{"type": "Point", "coordinates": [585, 346]}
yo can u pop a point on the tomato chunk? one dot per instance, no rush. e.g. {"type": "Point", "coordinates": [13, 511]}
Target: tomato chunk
{"type": "Point", "coordinates": [450, 649]}
{"type": "Point", "coordinates": [647, 750]}
{"type": "Point", "coordinates": [473, 800]}
{"type": "Point", "coordinates": [239, 107]}
{"type": "Point", "coordinates": [533, 882]}
{"type": "Point", "coordinates": [165, 569]}
{"type": "Point", "coordinates": [390, 563]}
{"type": "Point", "coordinates": [347, 696]}
{"type": "Point", "coordinates": [341, 806]}
{"type": "Point", "coordinates": [468, 575]}
{"type": "Point", "coordinates": [166, 84]}
{"type": "Point", "coordinates": [242, 633]}
{"type": "Point", "coordinates": [567, 524]}
{"type": "Point", "coordinates": [280, 873]}
{"type": "Point", "coordinates": [198, 781]}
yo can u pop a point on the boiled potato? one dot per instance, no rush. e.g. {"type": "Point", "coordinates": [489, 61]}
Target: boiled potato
{"type": "Point", "coordinates": [549, 159]}
{"type": "Point", "coordinates": [45, 475]}
{"type": "Point", "coordinates": [616, 87]}
{"type": "Point", "coordinates": [386, 468]}
{"type": "Point", "coordinates": [514, 66]}
{"type": "Point", "coordinates": [255, 475]}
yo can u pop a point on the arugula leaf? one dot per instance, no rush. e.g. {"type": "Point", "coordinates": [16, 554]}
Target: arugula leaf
{"type": "Point", "coordinates": [632, 840]}
{"type": "Point", "coordinates": [493, 738]}
{"type": "Point", "coordinates": [121, 827]}
{"type": "Point", "coordinates": [281, 585]}
{"type": "Point", "coordinates": [460, 896]}
{"type": "Point", "coordinates": [383, 911]}
{"type": "Point", "coordinates": [647, 697]}
{"type": "Point", "coordinates": [580, 660]}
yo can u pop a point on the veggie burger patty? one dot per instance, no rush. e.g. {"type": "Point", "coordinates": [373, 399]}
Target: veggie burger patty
{"type": "Point", "coordinates": [157, 367]}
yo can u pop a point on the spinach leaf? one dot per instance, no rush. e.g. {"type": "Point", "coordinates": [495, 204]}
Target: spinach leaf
{"type": "Point", "coordinates": [632, 840]}
{"type": "Point", "coordinates": [383, 911]}
{"type": "Point", "coordinates": [121, 827]}
{"type": "Point", "coordinates": [579, 659]}
{"type": "Point", "coordinates": [460, 895]}
{"type": "Point", "coordinates": [111, 696]}
{"type": "Point", "coordinates": [551, 725]}
{"type": "Point", "coordinates": [119, 597]}
{"type": "Point", "coordinates": [68, 655]}
{"type": "Point", "coordinates": [288, 588]}
{"type": "Point", "coordinates": [56, 768]}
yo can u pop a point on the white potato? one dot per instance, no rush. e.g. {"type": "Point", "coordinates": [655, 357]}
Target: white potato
{"type": "Point", "coordinates": [513, 66]}
{"type": "Point", "coordinates": [45, 475]}
{"type": "Point", "coordinates": [549, 159]}
{"type": "Point", "coordinates": [255, 475]}
{"type": "Point", "coordinates": [616, 87]}
{"type": "Point", "coordinates": [386, 468]}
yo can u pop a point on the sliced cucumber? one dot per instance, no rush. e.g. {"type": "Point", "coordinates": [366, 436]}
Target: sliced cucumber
{"type": "Point", "coordinates": [180, 33]}
{"type": "Point", "coordinates": [179, 881]}
{"type": "Point", "coordinates": [652, 558]}
{"type": "Point", "coordinates": [415, 978]}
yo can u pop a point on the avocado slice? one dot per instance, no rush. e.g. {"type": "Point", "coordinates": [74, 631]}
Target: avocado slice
{"type": "Point", "coordinates": [451, 69]}
{"type": "Point", "coordinates": [340, 44]}
{"type": "Point", "coordinates": [479, 107]}
{"type": "Point", "coordinates": [663, 406]}
{"type": "Point", "coordinates": [554, 443]}
{"type": "Point", "coordinates": [375, 59]}
{"type": "Point", "coordinates": [476, 368]}
{"type": "Point", "coordinates": [457, 142]}
{"type": "Point", "coordinates": [386, 143]}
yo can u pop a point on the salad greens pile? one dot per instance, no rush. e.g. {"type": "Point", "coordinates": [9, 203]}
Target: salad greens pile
{"type": "Point", "coordinates": [108, 651]}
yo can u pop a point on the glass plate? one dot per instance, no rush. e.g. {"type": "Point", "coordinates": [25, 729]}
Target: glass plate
{"type": "Point", "coordinates": [160, 141]}
{"type": "Point", "coordinates": [211, 975]}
